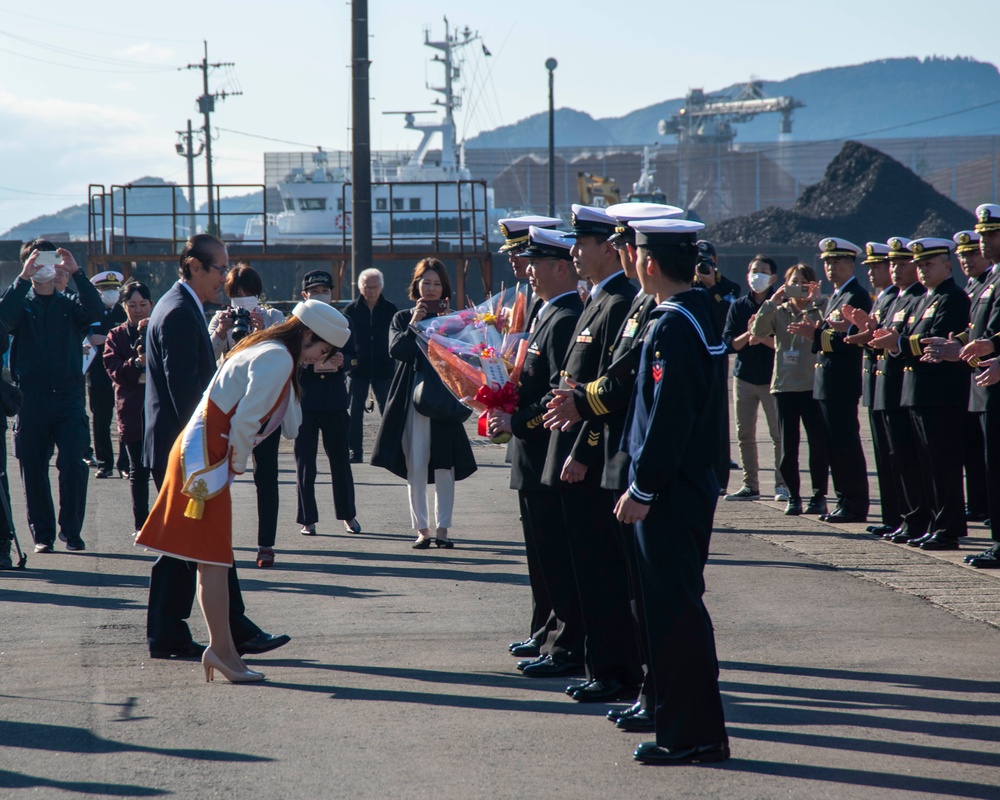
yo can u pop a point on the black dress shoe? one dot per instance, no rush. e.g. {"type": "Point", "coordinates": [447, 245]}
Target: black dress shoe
{"type": "Point", "coordinates": [524, 662]}
{"type": "Point", "coordinates": [598, 690]}
{"type": "Point", "coordinates": [572, 688]}
{"type": "Point", "coordinates": [816, 505]}
{"type": "Point", "coordinates": [263, 643]}
{"type": "Point", "coordinates": [881, 530]}
{"type": "Point", "coordinates": [189, 650]}
{"type": "Point", "coordinates": [939, 543]}
{"type": "Point", "coordinates": [356, 458]}
{"type": "Point", "coordinates": [988, 560]}
{"type": "Point", "coordinates": [901, 536]}
{"type": "Point", "coordinates": [794, 508]}
{"type": "Point", "coordinates": [547, 666]}
{"type": "Point", "coordinates": [641, 722]}
{"type": "Point", "coordinates": [916, 542]}
{"type": "Point", "coordinates": [976, 516]}
{"type": "Point", "coordinates": [616, 714]}
{"type": "Point", "coordinates": [990, 552]}
{"type": "Point", "coordinates": [527, 648]}
{"type": "Point", "coordinates": [840, 515]}
{"type": "Point", "coordinates": [650, 753]}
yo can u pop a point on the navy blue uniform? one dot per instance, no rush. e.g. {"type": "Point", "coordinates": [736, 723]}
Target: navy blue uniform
{"type": "Point", "coordinates": [102, 393]}
{"type": "Point", "coordinates": [673, 439]}
{"type": "Point", "coordinates": [887, 490]}
{"type": "Point", "coordinates": [46, 361]}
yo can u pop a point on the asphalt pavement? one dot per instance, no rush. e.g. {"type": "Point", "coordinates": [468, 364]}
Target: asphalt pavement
{"type": "Point", "coordinates": [851, 668]}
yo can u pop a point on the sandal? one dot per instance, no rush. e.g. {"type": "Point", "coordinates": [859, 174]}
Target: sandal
{"type": "Point", "coordinates": [352, 525]}
{"type": "Point", "coordinates": [443, 541]}
{"type": "Point", "coordinates": [422, 543]}
{"type": "Point", "coordinates": [265, 557]}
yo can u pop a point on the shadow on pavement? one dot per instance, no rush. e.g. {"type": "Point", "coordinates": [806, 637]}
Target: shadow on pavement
{"type": "Point", "coordinates": [19, 780]}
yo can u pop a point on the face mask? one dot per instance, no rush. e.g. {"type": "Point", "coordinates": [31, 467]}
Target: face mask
{"type": "Point", "coordinates": [45, 274]}
{"type": "Point", "coordinates": [323, 297]}
{"type": "Point", "coordinates": [248, 303]}
{"type": "Point", "coordinates": [110, 297]}
{"type": "Point", "coordinates": [759, 281]}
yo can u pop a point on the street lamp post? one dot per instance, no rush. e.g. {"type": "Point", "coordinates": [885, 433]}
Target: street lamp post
{"type": "Point", "coordinates": [550, 65]}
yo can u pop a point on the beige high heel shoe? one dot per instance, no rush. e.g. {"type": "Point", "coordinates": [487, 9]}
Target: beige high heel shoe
{"type": "Point", "coordinates": [210, 661]}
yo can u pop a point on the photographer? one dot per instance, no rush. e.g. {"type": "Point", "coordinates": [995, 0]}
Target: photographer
{"type": "Point", "coordinates": [125, 363]}
{"type": "Point", "coordinates": [228, 327]}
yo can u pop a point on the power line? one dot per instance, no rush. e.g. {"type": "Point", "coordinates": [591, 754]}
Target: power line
{"type": "Point", "coordinates": [95, 31]}
{"type": "Point", "coordinates": [269, 138]}
{"type": "Point", "coordinates": [65, 51]}
{"type": "Point", "coordinates": [36, 194]}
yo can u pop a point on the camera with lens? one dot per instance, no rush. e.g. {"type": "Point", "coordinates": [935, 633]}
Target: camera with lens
{"type": "Point", "coordinates": [242, 324]}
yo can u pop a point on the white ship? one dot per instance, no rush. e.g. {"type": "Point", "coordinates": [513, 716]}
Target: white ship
{"type": "Point", "coordinates": [415, 202]}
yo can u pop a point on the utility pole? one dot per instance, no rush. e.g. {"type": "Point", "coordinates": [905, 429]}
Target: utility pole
{"type": "Point", "coordinates": [550, 65]}
{"type": "Point", "coordinates": [185, 148]}
{"type": "Point", "coordinates": [206, 105]}
{"type": "Point", "coordinates": [361, 157]}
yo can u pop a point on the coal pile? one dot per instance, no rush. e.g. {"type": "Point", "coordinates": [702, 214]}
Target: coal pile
{"type": "Point", "coordinates": [864, 196]}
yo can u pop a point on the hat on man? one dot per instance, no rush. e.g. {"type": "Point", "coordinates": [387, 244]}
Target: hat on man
{"type": "Point", "coordinates": [546, 243]}
{"type": "Point", "coordinates": [898, 247]}
{"type": "Point", "coordinates": [832, 247]}
{"type": "Point", "coordinates": [666, 232]}
{"type": "Point", "coordinates": [876, 252]}
{"type": "Point", "coordinates": [591, 221]}
{"type": "Point", "coordinates": [988, 215]}
{"type": "Point", "coordinates": [515, 230]}
{"type": "Point", "coordinates": [317, 277]}
{"type": "Point", "coordinates": [929, 247]}
{"type": "Point", "coordinates": [707, 251]}
{"type": "Point", "coordinates": [625, 213]}
{"type": "Point", "coordinates": [324, 320]}
{"type": "Point", "coordinates": [108, 280]}
{"type": "Point", "coordinates": [966, 241]}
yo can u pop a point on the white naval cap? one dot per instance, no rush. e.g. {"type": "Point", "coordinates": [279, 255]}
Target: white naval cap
{"type": "Point", "coordinates": [988, 215]}
{"type": "Point", "coordinates": [898, 247]}
{"type": "Point", "coordinates": [876, 253]}
{"type": "Point", "coordinates": [929, 247]}
{"type": "Point", "coordinates": [966, 241]}
{"type": "Point", "coordinates": [592, 221]}
{"type": "Point", "coordinates": [666, 232]}
{"type": "Point", "coordinates": [515, 229]}
{"type": "Point", "coordinates": [108, 279]}
{"type": "Point", "coordinates": [627, 212]}
{"type": "Point", "coordinates": [832, 247]}
{"type": "Point", "coordinates": [547, 243]}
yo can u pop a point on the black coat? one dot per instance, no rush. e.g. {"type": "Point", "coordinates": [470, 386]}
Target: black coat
{"type": "Point", "coordinates": [889, 369]}
{"type": "Point", "coordinates": [838, 364]}
{"type": "Point", "coordinates": [984, 322]}
{"type": "Point", "coordinates": [97, 376]}
{"type": "Point", "coordinates": [883, 305]}
{"type": "Point", "coordinates": [371, 333]}
{"type": "Point", "coordinates": [450, 446]}
{"type": "Point", "coordinates": [327, 391]}
{"type": "Point", "coordinates": [547, 346]}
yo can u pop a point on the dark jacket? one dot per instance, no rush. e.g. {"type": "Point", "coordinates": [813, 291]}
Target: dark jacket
{"type": "Point", "coordinates": [46, 352]}
{"type": "Point", "coordinates": [880, 311]}
{"type": "Point", "coordinates": [838, 364]}
{"type": "Point", "coordinates": [327, 391]}
{"type": "Point", "coordinates": [547, 346]}
{"type": "Point", "coordinates": [754, 363]}
{"type": "Point", "coordinates": [889, 369]}
{"type": "Point", "coordinates": [371, 331]}
{"type": "Point", "coordinates": [180, 364]}
{"type": "Point", "coordinates": [97, 375]}
{"type": "Point", "coordinates": [129, 379]}
{"type": "Point", "coordinates": [984, 322]}
{"type": "Point", "coordinates": [450, 446]}
{"type": "Point", "coordinates": [943, 310]}
{"type": "Point", "coordinates": [722, 295]}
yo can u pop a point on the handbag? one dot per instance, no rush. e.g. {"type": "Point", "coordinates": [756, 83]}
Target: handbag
{"type": "Point", "coordinates": [432, 398]}
{"type": "Point", "coordinates": [10, 398]}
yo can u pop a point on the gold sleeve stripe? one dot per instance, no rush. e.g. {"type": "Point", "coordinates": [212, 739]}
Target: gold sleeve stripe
{"type": "Point", "coordinates": [915, 344]}
{"type": "Point", "coordinates": [963, 337]}
{"type": "Point", "coordinates": [593, 438]}
{"type": "Point", "coordinates": [594, 398]}
{"type": "Point", "coordinates": [534, 423]}
{"type": "Point", "coordinates": [826, 341]}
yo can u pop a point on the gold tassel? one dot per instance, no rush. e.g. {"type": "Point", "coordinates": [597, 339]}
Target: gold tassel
{"type": "Point", "coordinates": [195, 508]}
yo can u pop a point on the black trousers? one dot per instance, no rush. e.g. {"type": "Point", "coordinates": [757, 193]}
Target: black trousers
{"type": "Point", "coordinates": [50, 420]}
{"type": "Point", "coordinates": [102, 414]}
{"type": "Point", "coordinates": [847, 459]}
{"type": "Point", "coordinates": [6, 523]}
{"type": "Point", "coordinates": [138, 483]}
{"type": "Point", "coordinates": [333, 425]}
{"type": "Point", "coordinates": [358, 386]}
{"type": "Point", "coordinates": [974, 458]}
{"type": "Point", "coordinates": [673, 544]}
{"type": "Point", "coordinates": [990, 422]}
{"type": "Point", "coordinates": [172, 585]}
{"type": "Point", "coordinates": [905, 458]}
{"type": "Point", "coordinates": [889, 490]}
{"type": "Point", "coordinates": [540, 508]}
{"type": "Point", "coordinates": [552, 549]}
{"type": "Point", "coordinates": [265, 480]}
{"type": "Point", "coordinates": [795, 408]}
{"type": "Point", "coordinates": [610, 648]}
{"type": "Point", "coordinates": [941, 447]}
{"type": "Point", "coordinates": [647, 693]}
{"type": "Point", "coordinates": [123, 458]}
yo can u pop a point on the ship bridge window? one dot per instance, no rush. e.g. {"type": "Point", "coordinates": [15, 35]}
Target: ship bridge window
{"type": "Point", "coordinates": [340, 204]}
{"type": "Point", "coordinates": [414, 204]}
{"type": "Point", "coordinates": [312, 204]}
{"type": "Point", "coordinates": [397, 204]}
{"type": "Point", "coordinates": [380, 204]}
{"type": "Point", "coordinates": [289, 204]}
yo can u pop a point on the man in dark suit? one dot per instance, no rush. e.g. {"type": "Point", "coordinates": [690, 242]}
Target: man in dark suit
{"type": "Point", "coordinates": [838, 380]}
{"type": "Point", "coordinates": [101, 390]}
{"type": "Point", "coordinates": [574, 465]}
{"type": "Point", "coordinates": [935, 393]}
{"type": "Point", "coordinates": [556, 626]}
{"type": "Point", "coordinates": [179, 366]}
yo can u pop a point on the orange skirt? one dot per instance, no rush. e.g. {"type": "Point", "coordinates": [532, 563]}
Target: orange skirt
{"type": "Point", "coordinates": [208, 540]}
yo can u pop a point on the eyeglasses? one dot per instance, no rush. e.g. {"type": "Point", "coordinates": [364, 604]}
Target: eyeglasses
{"type": "Point", "coordinates": [223, 271]}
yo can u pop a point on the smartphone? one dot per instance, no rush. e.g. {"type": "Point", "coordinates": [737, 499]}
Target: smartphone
{"type": "Point", "coordinates": [442, 305]}
{"type": "Point", "coordinates": [47, 258]}
{"type": "Point", "coordinates": [796, 290]}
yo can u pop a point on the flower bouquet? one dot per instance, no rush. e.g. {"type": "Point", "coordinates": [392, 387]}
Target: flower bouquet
{"type": "Point", "coordinates": [479, 352]}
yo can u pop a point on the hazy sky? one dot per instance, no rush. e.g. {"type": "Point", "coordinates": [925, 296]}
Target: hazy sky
{"type": "Point", "coordinates": [92, 92]}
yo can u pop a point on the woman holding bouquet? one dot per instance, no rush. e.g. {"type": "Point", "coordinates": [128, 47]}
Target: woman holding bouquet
{"type": "Point", "coordinates": [413, 445]}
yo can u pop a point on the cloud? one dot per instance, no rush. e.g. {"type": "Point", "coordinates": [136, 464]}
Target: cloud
{"type": "Point", "coordinates": [150, 53]}
{"type": "Point", "coordinates": [57, 116]}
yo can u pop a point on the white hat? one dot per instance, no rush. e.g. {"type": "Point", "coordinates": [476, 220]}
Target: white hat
{"type": "Point", "coordinates": [929, 247]}
{"type": "Point", "coordinates": [110, 278]}
{"type": "Point", "coordinates": [877, 253]}
{"type": "Point", "coordinates": [831, 247]}
{"type": "Point", "coordinates": [324, 320]}
{"type": "Point", "coordinates": [666, 232]}
{"type": "Point", "coordinates": [899, 247]}
{"type": "Point", "coordinates": [515, 229]}
{"type": "Point", "coordinates": [967, 241]}
{"type": "Point", "coordinates": [545, 243]}
{"type": "Point", "coordinates": [627, 212]}
{"type": "Point", "coordinates": [988, 215]}
{"type": "Point", "coordinates": [592, 221]}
